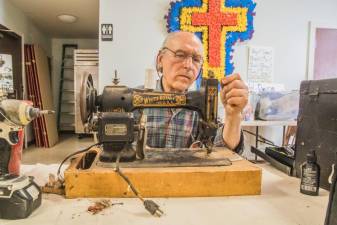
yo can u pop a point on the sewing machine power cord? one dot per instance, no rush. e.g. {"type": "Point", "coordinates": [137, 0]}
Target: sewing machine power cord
{"type": "Point", "coordinates": [149, 205]}
{"type": "Point", "coordinates": [71, 155]}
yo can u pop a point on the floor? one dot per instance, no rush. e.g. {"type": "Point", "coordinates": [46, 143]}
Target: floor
{"type": "Point", "coordinates": [68, 144]}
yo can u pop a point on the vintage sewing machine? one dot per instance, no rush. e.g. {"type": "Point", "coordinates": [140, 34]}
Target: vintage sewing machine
{"type": "Point", "coordinates": [116, 116]}
{"type": "Point", "coordinates": [113, 115]}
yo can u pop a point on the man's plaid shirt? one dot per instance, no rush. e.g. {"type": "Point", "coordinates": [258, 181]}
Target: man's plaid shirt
{"type": "Point", "coordinates": [176, 128]}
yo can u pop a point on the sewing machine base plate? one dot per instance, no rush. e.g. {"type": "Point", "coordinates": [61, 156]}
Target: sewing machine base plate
{"type": "Point", "coordinates": [239, 178]}
{"type": "Point", "coordinates": [172, 158]}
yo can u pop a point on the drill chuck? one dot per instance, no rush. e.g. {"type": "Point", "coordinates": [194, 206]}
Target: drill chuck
{"type": "Point", "coordinates": [20, 112]}
{"type": "Point", "coordinates": [36, 112]}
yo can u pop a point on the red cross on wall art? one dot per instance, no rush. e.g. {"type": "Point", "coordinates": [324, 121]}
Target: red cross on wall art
{"type": "Point", "coordinates": [218, 23]}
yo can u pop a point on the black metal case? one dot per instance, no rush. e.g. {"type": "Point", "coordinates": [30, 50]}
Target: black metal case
{"type": "Point", "coordinates": [317, 125]}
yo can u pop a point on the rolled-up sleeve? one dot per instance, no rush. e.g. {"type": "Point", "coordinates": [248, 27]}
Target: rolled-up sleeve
{"type": "Point", "coordinates": [219, 141]}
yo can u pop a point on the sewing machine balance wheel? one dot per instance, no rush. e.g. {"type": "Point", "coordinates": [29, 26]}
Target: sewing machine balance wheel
{"type": "Point", "coordinates": [87, 97]}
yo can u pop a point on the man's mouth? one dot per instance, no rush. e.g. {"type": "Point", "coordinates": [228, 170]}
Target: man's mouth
{"type": "Point", "coordinates": [184, 76]}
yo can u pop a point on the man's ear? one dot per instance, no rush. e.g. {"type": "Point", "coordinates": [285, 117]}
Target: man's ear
{"type": "Point", "coordinates": [159, 65]}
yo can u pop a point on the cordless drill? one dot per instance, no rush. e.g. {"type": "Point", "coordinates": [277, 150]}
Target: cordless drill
{"type": "Point", "coordinates": [19, 195]}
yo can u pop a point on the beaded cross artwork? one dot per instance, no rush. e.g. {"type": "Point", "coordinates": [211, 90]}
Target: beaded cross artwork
{"type": "Point", "coordinates": [219, 24]}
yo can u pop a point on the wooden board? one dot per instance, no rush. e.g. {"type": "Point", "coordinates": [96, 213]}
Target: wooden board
{"type": "Point", "coordinates": [241, 178]}
{"type": "Point", "coordinates": [32, 94]}
{"type": "Point", "coordinates": [42, 129]}
{"type": "Point", "coordinates": [46, 95]}
{"type": "Point", "coordinates": [39, 91]}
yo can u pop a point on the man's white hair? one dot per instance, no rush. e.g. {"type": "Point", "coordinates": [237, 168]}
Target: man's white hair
{"type": "Point", "coordinates": [168, 38]}
{"type": "Point", "coordinates": [173, 34]}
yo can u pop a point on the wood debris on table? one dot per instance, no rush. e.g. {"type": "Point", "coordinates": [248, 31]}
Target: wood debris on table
{"type": "Point", "coordinates": [100, 205]}
{"type": "Point", "coordinates": [53, 186]}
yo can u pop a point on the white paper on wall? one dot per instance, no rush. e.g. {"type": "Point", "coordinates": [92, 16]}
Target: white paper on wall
{"type": "Point", "coordinates": [260, 64]}
{"type": "Point", "coordinates": [6, 73]}
{"type": "Point", "coordinates": [265, 87]}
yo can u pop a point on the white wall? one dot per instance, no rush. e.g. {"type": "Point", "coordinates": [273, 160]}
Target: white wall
{"type": "Point", "coordinates": [57, 60]}
{"type": "Point", "coordinates": [14, 19]}
{"type": "Point", "coordinates": [138, 32]}
{"type": "Point", "coordinates": [139, 29]}
{"type": "Point", "coordinates": [284, 25]}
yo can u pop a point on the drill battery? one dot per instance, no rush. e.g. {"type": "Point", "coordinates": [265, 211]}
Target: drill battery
{"type": "Point", "coordinates": [19, 197]}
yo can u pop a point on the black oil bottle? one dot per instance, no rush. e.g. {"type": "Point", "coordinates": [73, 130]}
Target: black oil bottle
{"type": "Point", "coordinates": [310, 172]}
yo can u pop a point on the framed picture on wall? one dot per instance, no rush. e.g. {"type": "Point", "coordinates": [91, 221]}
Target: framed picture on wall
{"type": "Point", "coordinates": [322, 63]}
{"type": "Point", "coordinates": [6, 73]}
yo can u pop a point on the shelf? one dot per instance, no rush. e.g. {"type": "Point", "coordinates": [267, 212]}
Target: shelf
{"type": "Point", "coordinates": [68, 57]}
{"type": "Point", "coordinates": [68, 90]}
{"type": "Point", "coordinates": [67, 125]}
{"type": "Point", "coordinates": [67, 79]}
{"type": "Point", "coordinates": [68, 113]}
{"type": "Point", "coordinates": [68, 102]}
{"type": "Point", "coordinates": [67, 68]}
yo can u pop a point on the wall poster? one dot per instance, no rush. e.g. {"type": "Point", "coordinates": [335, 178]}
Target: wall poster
{"type": "Point", "coordinates": [6, 73]}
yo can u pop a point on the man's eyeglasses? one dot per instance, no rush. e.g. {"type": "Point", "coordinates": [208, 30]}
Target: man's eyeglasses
{"type": "Point", "coordinates": [182, 55]}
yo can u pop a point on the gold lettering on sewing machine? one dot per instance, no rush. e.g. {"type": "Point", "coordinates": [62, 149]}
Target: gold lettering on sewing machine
{"type": "Point", "coordinates": [158, 99]}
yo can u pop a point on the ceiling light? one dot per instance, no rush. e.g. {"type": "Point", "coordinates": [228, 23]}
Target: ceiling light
{"type": "Point", "coordinates": [66, 18]}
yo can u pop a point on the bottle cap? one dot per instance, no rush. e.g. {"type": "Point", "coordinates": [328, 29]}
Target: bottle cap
{"type": "Point", "coordinates": [311, 156]}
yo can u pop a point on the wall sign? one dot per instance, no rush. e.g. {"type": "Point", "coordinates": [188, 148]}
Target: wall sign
{"type": "Point", "coordinates": [260, 64]}
{"type": "Point", "coordinates": [106, 32]}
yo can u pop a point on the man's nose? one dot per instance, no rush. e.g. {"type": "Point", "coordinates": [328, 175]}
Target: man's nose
{"type": "Point", "coordinates": [188, 61]}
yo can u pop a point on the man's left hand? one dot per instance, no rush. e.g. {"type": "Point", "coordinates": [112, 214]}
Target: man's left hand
{"type": "Point", "coordinates": [234, 95]}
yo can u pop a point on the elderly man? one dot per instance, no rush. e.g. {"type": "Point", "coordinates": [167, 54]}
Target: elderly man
{"type": "Point", "coordinates": [179, 61]}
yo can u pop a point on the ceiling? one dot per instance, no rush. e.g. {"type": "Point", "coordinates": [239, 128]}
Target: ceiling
{"type": "Point", "coordinates": [44, 14]}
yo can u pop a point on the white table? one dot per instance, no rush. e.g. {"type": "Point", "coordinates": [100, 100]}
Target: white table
{"type": "Point", "coordinates": [262, 123]}
{"type": "Point", "coordinates": [280, 203]}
